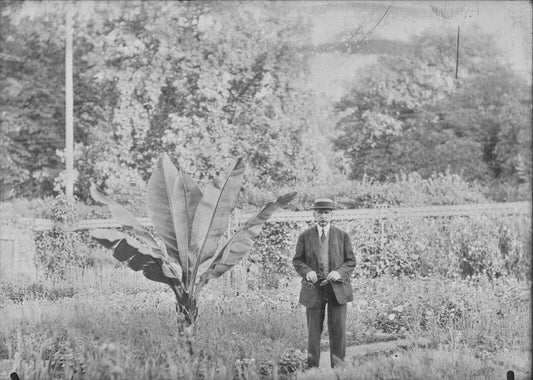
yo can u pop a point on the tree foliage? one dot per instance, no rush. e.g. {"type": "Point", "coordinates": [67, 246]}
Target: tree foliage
{"type": "Point", "coordinates": [205, 82]}
{"type": "Point", "coordinates": [408, 113]}
{"type": "Point", "coordinates": [32, 121]}
{"type": "Point", "coordinates": [209, 81]}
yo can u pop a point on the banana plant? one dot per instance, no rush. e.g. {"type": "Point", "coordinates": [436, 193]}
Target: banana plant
{"type": "Point", "coordinates": [189, 248]}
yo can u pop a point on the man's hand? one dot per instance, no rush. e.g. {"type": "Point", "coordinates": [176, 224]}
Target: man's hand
{"type": "Point", "coordinates": [333, 276]}
{"type": "Point", "coordinates": [311, 276]}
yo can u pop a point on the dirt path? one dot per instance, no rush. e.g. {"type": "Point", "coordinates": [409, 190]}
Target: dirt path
{"type": "Point", "coordinates": [371, 348]}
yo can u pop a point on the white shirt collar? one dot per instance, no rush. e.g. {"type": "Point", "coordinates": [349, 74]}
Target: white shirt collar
{"type": "Point", "coordinates": [326, 229]}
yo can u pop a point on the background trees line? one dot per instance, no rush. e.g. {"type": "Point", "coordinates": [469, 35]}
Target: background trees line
{"type": "Point", "coordinates": [205, 82]}
{"type": "Point", "coordinates": [408, 113]}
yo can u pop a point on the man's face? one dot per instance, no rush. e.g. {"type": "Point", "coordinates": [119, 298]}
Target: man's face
{"type": "Point", "coordinates": [323, 217]}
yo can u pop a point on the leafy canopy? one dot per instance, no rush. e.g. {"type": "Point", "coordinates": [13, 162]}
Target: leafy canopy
{"type": "Point", "coordinates": [203, 82]}
{"type": "Point", "coordinates": [409, 113]}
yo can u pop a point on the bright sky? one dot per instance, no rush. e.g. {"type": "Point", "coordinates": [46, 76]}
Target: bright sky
{"type": "Point", "coordinates": [509, 22]}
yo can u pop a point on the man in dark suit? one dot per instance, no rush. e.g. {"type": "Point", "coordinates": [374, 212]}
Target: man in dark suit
{"type": "Point", "coordinates": [325, 260]}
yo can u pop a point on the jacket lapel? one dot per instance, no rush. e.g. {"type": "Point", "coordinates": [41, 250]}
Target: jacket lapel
{"type": "Point", "coordinates": [316, 243]}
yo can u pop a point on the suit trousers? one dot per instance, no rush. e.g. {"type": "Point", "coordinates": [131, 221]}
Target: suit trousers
{"type": "Point", "coordinates": [336, 327]}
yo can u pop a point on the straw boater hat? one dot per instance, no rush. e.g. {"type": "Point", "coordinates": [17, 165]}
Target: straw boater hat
{"type": "Point", "coordinates": [323, 204]}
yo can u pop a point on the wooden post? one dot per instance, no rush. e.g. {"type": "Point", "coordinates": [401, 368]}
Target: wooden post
{"type": "Point", "coordinates": [69, 107]}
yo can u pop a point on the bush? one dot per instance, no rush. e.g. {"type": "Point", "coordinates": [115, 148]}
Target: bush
{"type": "Point", "coordinates": [24, 208]}
{"type": "Point", "coordinates": [59, 248]}
{"type": "Point", "coordinates": [508, 191]}
{"type": "Point", "coordinates": [407, 190]}
{"type": "Point", "coordinates": [484, 245]}
{"type": "Point", "coordinates": [18, 292]}
{"type": "Point", "coordinates": [272, 253]}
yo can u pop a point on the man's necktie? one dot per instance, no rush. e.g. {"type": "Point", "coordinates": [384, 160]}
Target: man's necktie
{"type": "Point", "coordinates": [323, 237]}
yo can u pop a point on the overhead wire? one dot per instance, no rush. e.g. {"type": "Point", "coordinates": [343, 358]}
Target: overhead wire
{"type": "Point", "coordinates": [52, 143]}
{"type": "Point", "coordinates": [365, 36]}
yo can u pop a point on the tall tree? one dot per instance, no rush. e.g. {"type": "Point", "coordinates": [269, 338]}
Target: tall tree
{"type": "Point", "coordinates": [493, 109]}
{"type": "Point", "coordinates": [203, 82]}
{"type": "Point", "coordinates": [31, 126]}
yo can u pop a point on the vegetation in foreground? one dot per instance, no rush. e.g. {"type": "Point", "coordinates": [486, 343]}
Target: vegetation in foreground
{"type": "Point", "coordinates": [410, 282]}
{"type": "Point", "coordinates": [476, 329]}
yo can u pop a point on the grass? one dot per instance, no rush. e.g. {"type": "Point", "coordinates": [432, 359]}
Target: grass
{"type": "Point", "coordinates": [120, 327]}
{"type": "Point", "coordinates": [431, 364]}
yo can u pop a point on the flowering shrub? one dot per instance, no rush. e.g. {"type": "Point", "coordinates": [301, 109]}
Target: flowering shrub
{"type": "Point", "coordinates": [393, 320]}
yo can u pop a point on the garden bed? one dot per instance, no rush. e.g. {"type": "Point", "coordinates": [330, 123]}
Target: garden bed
{"type": "Point", "coordinates": [128, 333]}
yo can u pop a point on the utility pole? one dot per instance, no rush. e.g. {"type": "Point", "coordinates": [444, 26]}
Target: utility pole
{"type": "Point", "coordinates": [457, 54]}
{"type": "Point", "coordinates": [69, 108]}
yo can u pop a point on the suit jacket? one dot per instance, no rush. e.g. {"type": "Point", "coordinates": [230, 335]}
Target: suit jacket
{"type": "Point", "coordinates": [341, 259]}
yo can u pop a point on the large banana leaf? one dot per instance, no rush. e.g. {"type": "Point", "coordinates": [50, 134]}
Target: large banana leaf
{"type": "Point", "coordinates": [185, 199]}
{"type": "Point", "coordinates": [212, 216]}
{"type": "Point", "coordinates": [138, 256]}
{"type": "Point", "coordinates": [159, 272]}
{"type": "Point", "coordinates": [124, 217]}
{"type": "Point", "coordinates": [158, 200]}
{"type": "Point", "coordinates": [241, 242]}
